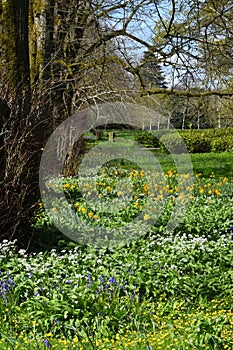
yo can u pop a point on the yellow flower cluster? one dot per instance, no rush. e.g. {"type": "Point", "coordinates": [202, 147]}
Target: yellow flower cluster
{"type": "Point", "coordinates": [174, 330]}
{"type": "Point", "coordinates": [147, 190]}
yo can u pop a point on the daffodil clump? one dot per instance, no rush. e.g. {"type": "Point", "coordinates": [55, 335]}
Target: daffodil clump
{"type": "Point", "coordinates": [115, 197]}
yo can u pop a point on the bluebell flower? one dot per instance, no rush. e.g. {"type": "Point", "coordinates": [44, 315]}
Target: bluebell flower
{"type": "Point", "coordinates": [5, 287]}
{"type": "Point", "coordinates": [89, 280]}
{"type": "Point", "coordinates": [112, 280]}
{"type": "Point", "coordinates": [47, 343]}
{"type": "Point", "coordinates": [102, 280]}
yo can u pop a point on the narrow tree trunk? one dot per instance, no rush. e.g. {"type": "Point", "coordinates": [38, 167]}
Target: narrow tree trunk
{"type": "Point", "coordinates": [168, 120]}
{"type": "Point", "coordinates": [49, 47]}
{"type": "Point", "coordinates": [4, 115]}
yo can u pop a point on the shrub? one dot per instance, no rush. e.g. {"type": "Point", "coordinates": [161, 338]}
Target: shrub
{"type": "Point", "coordinates": [172, 142]}
{"type": "Point", "coordinates": [222, 144]}
{"type": "Point", "coordinates": [147, 139]}
{"type": "Point", "coordinates": [197, 141]}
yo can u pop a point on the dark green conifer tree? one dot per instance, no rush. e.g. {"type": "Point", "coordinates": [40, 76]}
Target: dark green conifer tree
{"type": "Point", "coordinates": [151, 73]}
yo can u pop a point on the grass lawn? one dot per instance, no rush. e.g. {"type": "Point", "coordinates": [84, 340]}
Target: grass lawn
{"type": "Point", "coordinates": [221, 164]}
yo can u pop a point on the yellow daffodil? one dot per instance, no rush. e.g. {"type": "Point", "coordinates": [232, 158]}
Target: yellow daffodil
{"type": "Point", "coordinates": [66, 185]}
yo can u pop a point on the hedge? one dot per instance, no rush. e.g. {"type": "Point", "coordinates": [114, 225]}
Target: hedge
{"type": "Point", "coordinates": [196, 141]}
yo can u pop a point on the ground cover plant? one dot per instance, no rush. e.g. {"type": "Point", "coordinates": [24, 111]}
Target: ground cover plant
{"type": "Point", "coordinates": [165, 290]}
{"type": "Point", "coordinates": [170, 293]}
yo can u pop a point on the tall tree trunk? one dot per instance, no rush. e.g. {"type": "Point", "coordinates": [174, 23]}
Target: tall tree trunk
{"type": "Point", "coordinates": [21, 9]}
{"type": "Point", "coordinates": [19, 189]}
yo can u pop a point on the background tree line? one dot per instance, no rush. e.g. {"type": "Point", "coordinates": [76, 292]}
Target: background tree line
{"type": "Point", "coordinates": [58, 57]}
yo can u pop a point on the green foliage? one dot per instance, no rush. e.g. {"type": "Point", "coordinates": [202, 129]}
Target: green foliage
{"type": "Point", "coordinates": [196, 141]}
{"type": "Point", "coordinates": [179, 287]}
{"type": "Point", "coordinates": [172, 142]}
{"type": "Point", "coordinates": [147, 139]}
{"type": "Point", "coordinates": [209, 140]}
{"type": "Point", "coordinates": [222, 144]}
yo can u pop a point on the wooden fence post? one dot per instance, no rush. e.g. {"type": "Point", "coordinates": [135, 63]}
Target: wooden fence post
{"type": "Point", "coordinates": [111, 136]}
